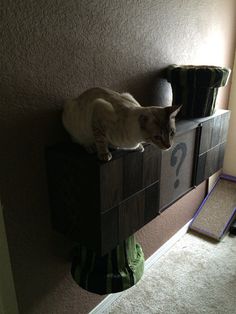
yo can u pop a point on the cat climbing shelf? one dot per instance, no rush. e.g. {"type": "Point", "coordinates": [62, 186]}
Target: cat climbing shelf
{"type": "Point", "coordinates": [101, 204]}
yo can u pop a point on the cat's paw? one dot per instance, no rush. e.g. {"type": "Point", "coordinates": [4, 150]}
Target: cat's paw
{"type": "Point", "coordinates": [140, 148]}
{"type": "Point", "coordinates": [105, 156]}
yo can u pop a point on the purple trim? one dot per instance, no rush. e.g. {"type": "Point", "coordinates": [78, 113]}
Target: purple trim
{"type": "Point", "coordinates": [229, 222]}
{"type": "Point", "coordinates": [228, 177]}
{"type": "Point", "coordinates": [223, 177]}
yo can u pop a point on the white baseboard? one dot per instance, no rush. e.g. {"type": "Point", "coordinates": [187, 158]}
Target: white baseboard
{"type": "Point", "coordinates": [106, 303]}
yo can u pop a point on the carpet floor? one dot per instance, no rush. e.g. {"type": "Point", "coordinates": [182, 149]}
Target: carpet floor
{"type": "Point", "coordinates": [195, 276]}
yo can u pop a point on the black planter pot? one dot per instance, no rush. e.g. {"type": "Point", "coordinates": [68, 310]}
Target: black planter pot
{"type": "Point", "coordinates": [196, 88]}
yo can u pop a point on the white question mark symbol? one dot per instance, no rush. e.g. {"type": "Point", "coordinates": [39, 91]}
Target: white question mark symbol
{"type": "Point", "coordinates": [182, 147]}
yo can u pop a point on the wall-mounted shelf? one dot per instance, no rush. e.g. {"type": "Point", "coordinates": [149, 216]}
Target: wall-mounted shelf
{"type": "Point", "coordinates": [100, 204]}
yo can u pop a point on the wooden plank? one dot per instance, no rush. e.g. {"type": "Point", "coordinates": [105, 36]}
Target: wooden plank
{"type": "Point", "coordinates": [131, 215]}
{"type": "Point", "coordinates": [111, 183]}
{"type": "Point", "coordinates": [109, 230]}
{"type": "Point", "coordinates": [206, 137]}
{"type": "Point", "coordinates": [210, 162]}
{"type": "Point", "coordinates": [152, 198]}
{"type": "Point", "coordinates": [132, 173]}
{"type": "Point", "coordinates": [151, 165]}
{"type": "Point", "coordinates": [214, 131]}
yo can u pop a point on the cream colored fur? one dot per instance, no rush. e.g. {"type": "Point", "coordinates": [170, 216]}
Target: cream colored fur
{"type": "Point", "coordinates": [103, 117]}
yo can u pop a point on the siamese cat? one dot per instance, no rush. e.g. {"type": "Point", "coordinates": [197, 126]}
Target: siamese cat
{"type": "Point", "coordinates": [101, 118]}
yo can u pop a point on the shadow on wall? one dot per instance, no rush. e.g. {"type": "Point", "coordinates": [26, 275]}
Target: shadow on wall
{"type": "Point", "coordinates": [30, 123]}
{"type": "Point", "coordinates": [157, 90]}
{"type": "Point", "coordinates": [35, 251]}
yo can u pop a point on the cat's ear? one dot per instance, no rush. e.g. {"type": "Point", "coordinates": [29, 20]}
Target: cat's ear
{"type": "Point", "coordinates": [143, 119]}
{"type": "Point", "coordinates": [173, 110]}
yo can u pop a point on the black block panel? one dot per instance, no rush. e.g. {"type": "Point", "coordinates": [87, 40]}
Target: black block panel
{"type": "Point", "coordinates": [101, 204]}
{"type": "Point", "coordinates": [111, 183]}
{"type": "Point", "coordinates": [151, 165]}
{"type": "Point", "coordinates": [109, 230]}
{"type": "Point", "coordinates": [131, 215]}
{"type": "Point", "coordinates": [132, 173]}
{"type": "Point", "coordinates": [214, 130]}
{"type": "Point", "coordinates": [210, 162]}
{"type": "Point", "coordinates": [211, 145]}
{"type": "Point", "coordinates": [152, 202]}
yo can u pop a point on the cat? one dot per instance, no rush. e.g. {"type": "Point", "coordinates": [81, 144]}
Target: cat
{"type": "Point", "coordinates": [100, 118]}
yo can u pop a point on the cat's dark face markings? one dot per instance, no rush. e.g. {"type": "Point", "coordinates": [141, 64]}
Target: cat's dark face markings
{"type": "Point", "coordinates": [159, 127]}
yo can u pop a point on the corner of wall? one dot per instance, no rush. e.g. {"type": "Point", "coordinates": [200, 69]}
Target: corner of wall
{"type": "Point", "coordinates": [8, 302]}
{"type": "Point", "coordinates": [230, 154]}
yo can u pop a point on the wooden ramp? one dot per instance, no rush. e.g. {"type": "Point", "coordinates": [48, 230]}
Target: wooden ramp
{"type": "Point", "coordinates": [218, 209]}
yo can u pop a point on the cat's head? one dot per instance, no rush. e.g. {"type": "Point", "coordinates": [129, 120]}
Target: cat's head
{"type": "Point", "coordinates": [158, 125]}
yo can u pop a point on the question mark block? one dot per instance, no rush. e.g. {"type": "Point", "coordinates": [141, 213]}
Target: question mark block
{"type": "Point", "coordinates": [177, 169]}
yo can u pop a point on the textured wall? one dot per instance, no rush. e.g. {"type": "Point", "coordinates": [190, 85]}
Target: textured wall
{"type": "Point", "coordinates": [54, 49]}
{"type": "Point", "coordinates": [230, 154]}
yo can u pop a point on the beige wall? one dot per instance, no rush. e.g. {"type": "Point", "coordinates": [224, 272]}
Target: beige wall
{"type": "Point", "coordinates": [51, 50]}
{"type": "Point", "coordinates": [230, 155]}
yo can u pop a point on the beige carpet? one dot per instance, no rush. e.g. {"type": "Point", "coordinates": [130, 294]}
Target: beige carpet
{"type": "Point", "coordinates": [195, 276]}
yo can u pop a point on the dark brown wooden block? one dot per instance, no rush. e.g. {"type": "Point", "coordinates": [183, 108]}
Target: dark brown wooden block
{"type": "Point", "coordinates": [131, 215]}
{"type": "Point", "coordinates": [211, 145]}
{"type": "Point", "coordinates": [214, 130]}
{"type": "Point", "coordinates": [206, 136]}
{"type": "Point", "coordinates": [224, 127]}
{"type": "Point", "coordinates": [132, 173]}
{"type": "Point", "coordinates": [152, 202]}
{"type": "Point", "coordinates": [138, 210]}
{"type": "Point", "coordinates": [210, 162]}
{"type": "Point", "coordinates": [111, 184]}
{"type": "Point", "coordinates": [109, 230]}
{"type": "Point", "coordinates": [151, 165]}
{"type": "Point", "coordinates": [99, 204]}
{"type": "Point", "coordinates": [73, 177]}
